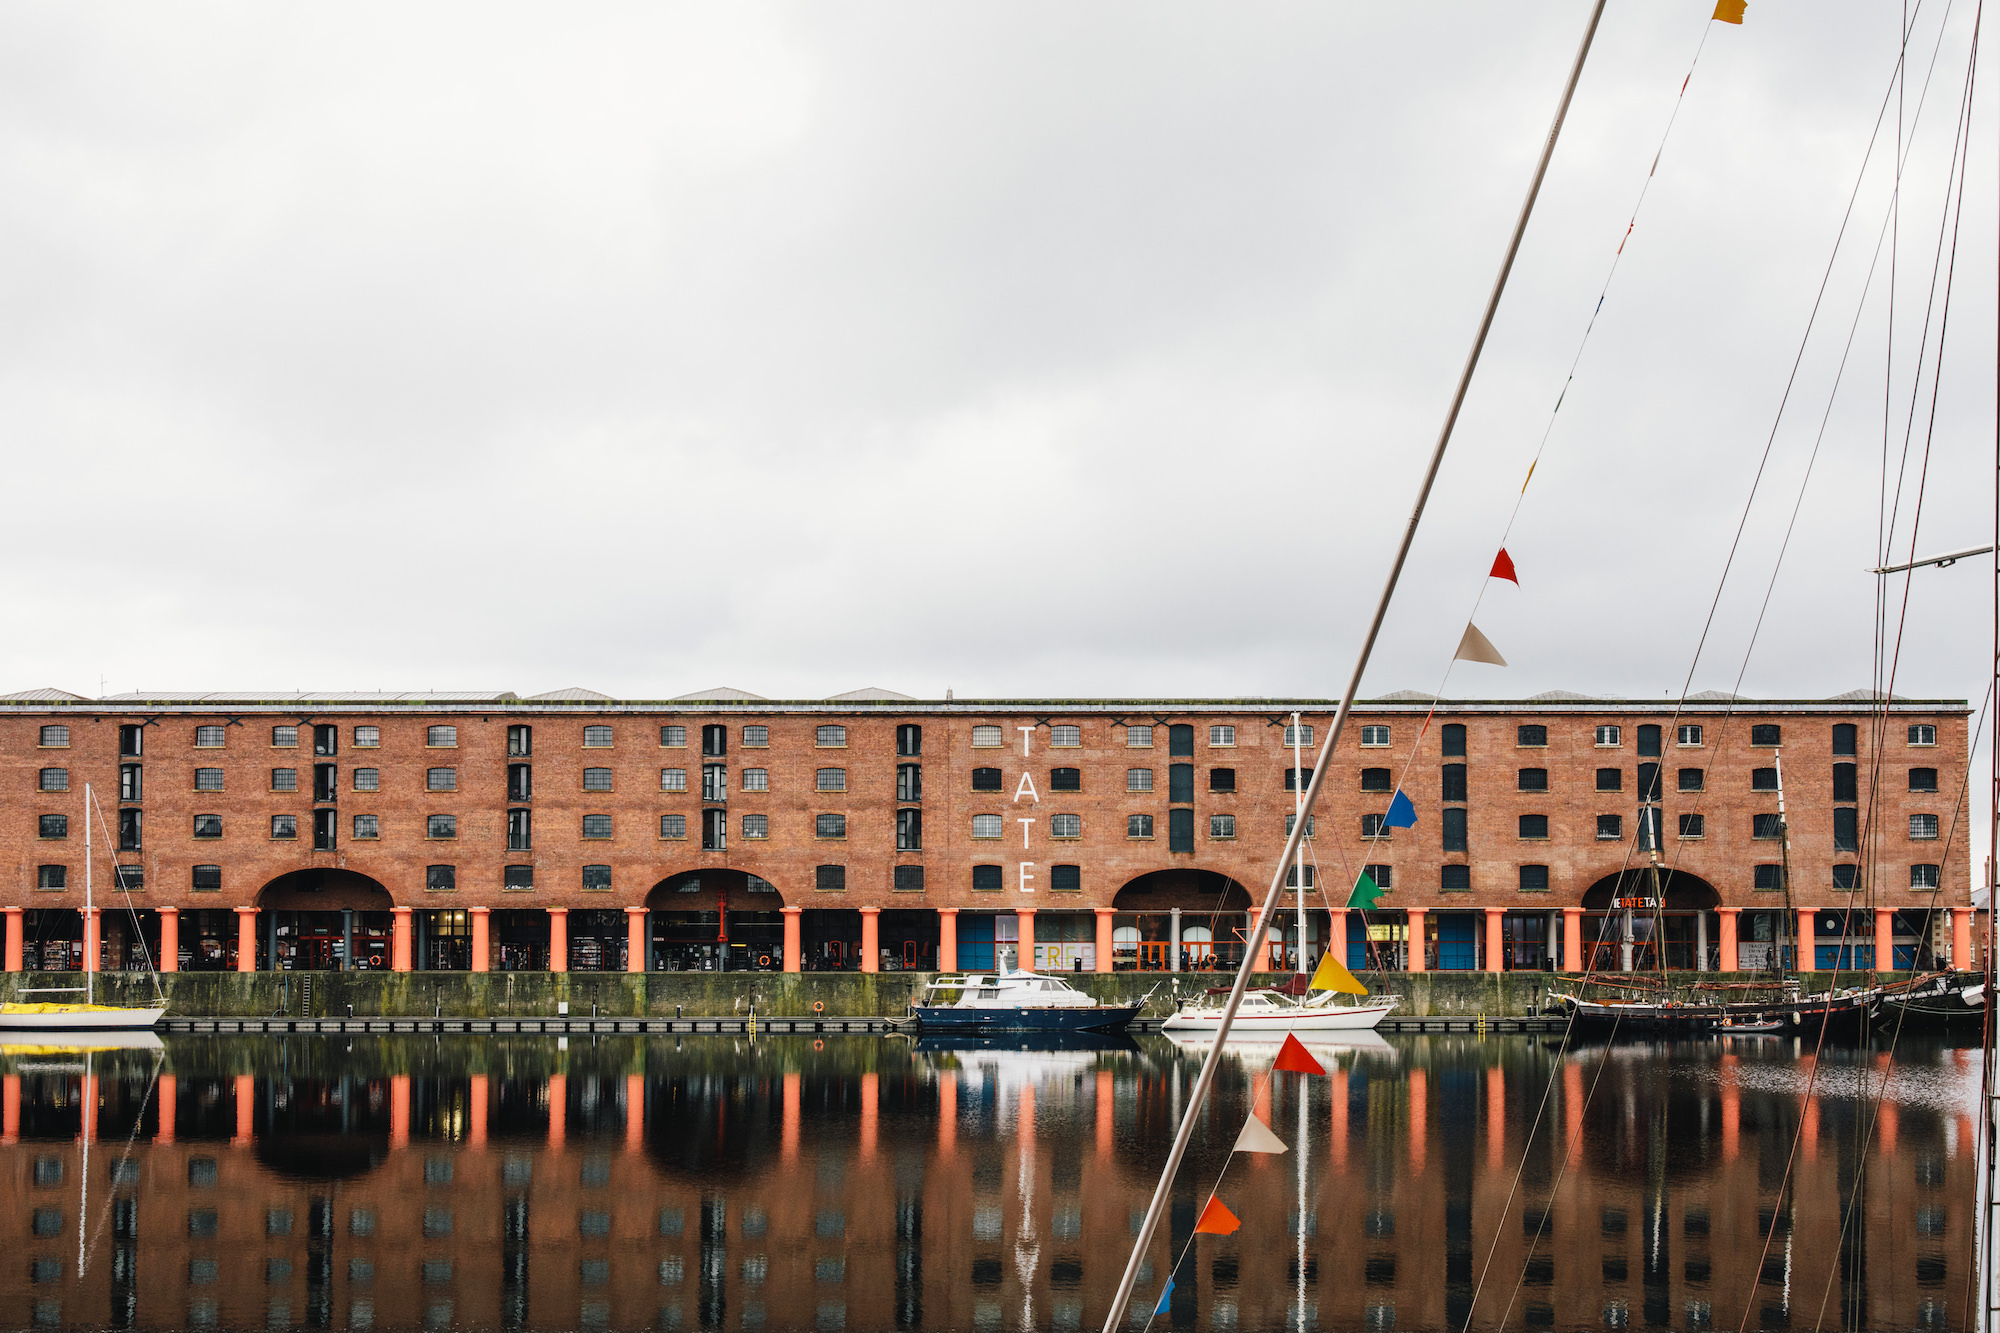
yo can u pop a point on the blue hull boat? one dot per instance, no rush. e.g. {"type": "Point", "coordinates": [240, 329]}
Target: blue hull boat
{"type": "Point", "coordinates": [953, 1018]}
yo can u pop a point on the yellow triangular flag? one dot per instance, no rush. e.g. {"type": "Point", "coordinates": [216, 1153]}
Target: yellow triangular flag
{"type": "Point", "coordinates": [1476, 647]}
{"type": "Point", "coordinates": [1332, 976]}
{"type": "Point", "coordinates": [1730, 11]}
{"type": "Point", "coordinates": [1257, 1137]}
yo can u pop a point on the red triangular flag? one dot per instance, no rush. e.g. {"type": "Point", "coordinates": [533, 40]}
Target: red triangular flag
{"type": "Point", "coordinates": [1296, 1059]}
{"type": "Point", "coordinates": [1503, 568]}
{"type": "Point", "coordinates": [1216, 1220]}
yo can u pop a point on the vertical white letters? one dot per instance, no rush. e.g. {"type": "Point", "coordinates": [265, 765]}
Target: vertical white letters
{"type": "Point", "coordinates": [1025, 733]}
{"type": "Point", "coordinates": [1026, 887]}
{"type": "Point", "coordinates": [1027, 788]}
{"type": "Point", "coordinates": [1024, 832]}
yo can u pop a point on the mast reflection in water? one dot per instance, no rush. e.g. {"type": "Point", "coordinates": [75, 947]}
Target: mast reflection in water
{"type": "Point", "coordinates": [863, 1183]}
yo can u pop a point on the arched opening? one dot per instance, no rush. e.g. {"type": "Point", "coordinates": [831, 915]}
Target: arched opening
{"type": "Point", "coordinates": [715, 919]}
{"type": "Point", "coordinates": [1641, 919]}
{"type": "Point", "coordinates": [319, 920]}
{"type": "Point", "coordinates": [1179, 919]}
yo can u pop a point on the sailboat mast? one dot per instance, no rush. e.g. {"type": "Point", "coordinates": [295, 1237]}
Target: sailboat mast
{"type": "Point", "coordinates": [1116, 1313]}
{"type": "Point", "coordinates": [89, 902]}
{"type": "Point", "coordinates": [1298, 819]}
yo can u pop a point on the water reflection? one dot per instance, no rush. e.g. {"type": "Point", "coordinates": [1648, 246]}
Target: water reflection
{"type": "Point", "coordinates": [857, 1182]}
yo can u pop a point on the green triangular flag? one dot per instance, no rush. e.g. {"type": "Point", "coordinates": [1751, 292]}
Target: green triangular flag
{"type": "Point", "coordinates": [1365, 893]}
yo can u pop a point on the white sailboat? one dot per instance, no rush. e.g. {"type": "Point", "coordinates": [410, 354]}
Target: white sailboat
{"type": "Point", "coordinates": [61, 1018]}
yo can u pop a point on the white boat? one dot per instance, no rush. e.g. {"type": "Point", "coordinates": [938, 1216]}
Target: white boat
{"type": "Point", "coordinates": [1016, 1002]}
{"type": "Point", "coordinates": [1266, 1017]}
{"type": "Point", "coordinates": [89, 1016]}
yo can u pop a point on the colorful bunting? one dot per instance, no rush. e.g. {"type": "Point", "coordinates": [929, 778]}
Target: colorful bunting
{"type": "Point", "coordinates": [1730, 11]}
{"type": "Point", "coordinates": [1166, 1294]}
{"type": "Point", "coordinates": [1257, 1137]}
{"type": "Point", "coordinates": [1216, 1220]}
{"type": "Point", "coordinates": [1294, 1058]}
{"type": "Point", "coordinates": [1331, 975]}
{"type": "Point", "coordinates": [1402, 812]}
{"type": "Point", "coordinates": [1476, 647]}
{"type": "Point", "coordinates": [1503, 568]}
{"type": "Point", "coordinates": [1366, 891]}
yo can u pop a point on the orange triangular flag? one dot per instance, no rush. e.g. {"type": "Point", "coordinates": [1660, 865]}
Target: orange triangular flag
{"type": "Point", "coordinates": [1216, 1220]}
{"type": "Point", "coordinates": [1294, 1058]}
{"type": "Point", "coordinates": [1503, 568]}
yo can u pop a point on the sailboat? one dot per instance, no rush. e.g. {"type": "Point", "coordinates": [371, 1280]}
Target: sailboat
{"type": "Point", "coordinates": [68, 1017]}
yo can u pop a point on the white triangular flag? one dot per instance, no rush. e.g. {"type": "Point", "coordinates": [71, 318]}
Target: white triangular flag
{"type": "Point", "coordinates": [1476, 647]}
{"type": "Point", "coordinates": [1257, 1137]}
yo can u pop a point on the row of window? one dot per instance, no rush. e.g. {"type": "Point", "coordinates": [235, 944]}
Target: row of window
{"type": "Point", "coordinates": [1845, 780]}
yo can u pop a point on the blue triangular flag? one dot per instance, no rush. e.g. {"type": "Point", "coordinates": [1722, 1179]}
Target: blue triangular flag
{"type": "Point", "coordinates": [1166, 1294]}
{"type": "Point", "coordinates": [1402, 812]}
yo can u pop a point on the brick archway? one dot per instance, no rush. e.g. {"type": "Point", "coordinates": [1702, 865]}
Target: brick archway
{"type": "Point", "coordinates": [325, 891]}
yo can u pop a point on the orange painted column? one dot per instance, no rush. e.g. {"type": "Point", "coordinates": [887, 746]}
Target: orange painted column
{"type": "Point", "coordinates": [246, 939]}
{"type": "Point", "coordinates": [1104, 941]}
{"type": "Point", "coordinates": [399, 1110]}
{"type": "Point", "coordinates": [1885, 939]}
{"type": "Point", "coordinates": [636, 943]}
{"type": "Point", "coordinates": [169, 1102]}
{"type": "Point", "coordinates": [1496, 1118]}
{"type": "Point", "coordinates": [871, 940]}
{"type": "Point", "coordinates": [1732, 1110]}
{"type": "Point", "coordinates": [246, 1110]}
{"type": "Point", "coordinates": [475, 1128]}
{"type": "Point", "coordinates": [871, 1107]}
{"type": "Point", "coordinates": [792, 950]}
{"type": "Point", "coordinates": [1807, 953]}
{"type": "Point", "coordinates": [558, 941]}
{"type": "Point", "coordinates": [482, 947]}
{"type": "Point", "coordinates": [947, 959]}
{"type": "Point", "coordinates": [788, 1125]}
{"type": "Point", "coordinates": [13, 954]}
{"type": "Point", "coordinates": [1415, 944]}
{"type": "Point", "coordinates": [93, 940]}
{"type": "Point", "coordinates": [1337, 1134]}
{"type": "Point", "coordinates": [10, 1109]}
{"type": "Point", "coordinates": [558, 1110]}
{"type": "Point", "coordinates": [1420, 1094]}
{"type": "Point", "coordinates": [1496, 948]}
{"type": "Point", "coordinates": [1961, 938]}
{"type": "Point", "coordinates": [1107, 1105]}
{"type": "Point", "coordinates": [170, 940]}
{"type": "Point", "coordinates": [399, 940]}
{"type": "Point", "coordinates": [1573, 939]}
{"type": "Point", "coordinates": [947, 1114]}
{"type": "Point", "coordinates": [1024, 957]}
{"type": "Point", "coordinates": [635, 1112]}
{"type": "Point", "coordinates": [1725, 946]}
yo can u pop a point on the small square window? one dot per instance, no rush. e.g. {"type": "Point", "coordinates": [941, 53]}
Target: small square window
{"type": "Point", "coordinates": [986, 879]}
{"type": "Point", "coordinates": [1065, 779]}
{"type": "Point", "coordinates": [830, 737]}
{"type": "Point", "coordinates": [1374, 826]}
{"type": "Point", "coordinates": [1923, 877]}
{"type": "Point", "coordinates": [284, 826]}
{"type": "Point", "coordinates": [1374, 735]}
{"type": "Point", "coordinates": [52, 878]}
{"type": "Point", "coordinates": [986, 779]}
{"type": "Point", "coordinates": [756, 738]}
{"type": "Point", "coordinates": [597, 879]}
{"type": "Point", "coordinates": [367, 826]}
{"type": "Point", "coordinates": [208, 826]}
{"type": "Point", "coordinates": [1534, 879]}
{"type": "Point", "coordinates": [55, 737]}
{"type": "Point", "coordinates": [1138, 826]}
{"type": "Point", "coordinates": [284, 779]}
{"type": "Point", "coordinates": [832, 879]}
{"type": "Point", "coordinates": [984, 738]}
{"type": "Point", "coordinates": [1376, 779]}
{"type": "Point", "coordinates": [1455, 879]}
{"type": "Point", "coordinates": [441, 779]}
{"type": "Point", "coordinates": [54, 779]}
{"type": "Point", "coordinates": [597, 738]}
{"type": "Point", "coordinates": [1923, 779]}
{"type": "Point", "coordinates": [830, 779]}
{"type": "Point", "coordinates": [1534, 826]}
{"type": "Point", "coordinates": [597, 826]}
{"type": "Point", "coordinates": [829, 826]}
{"type": "Point", "coordinates": [985, 826]}
{"type": "Point", "coordinates": [1139, 738]}
{"type": "Point", "coordinates": [1691, 826]}
{"type": "Point", "coordinates": [1291, 821]}
{"type": "Point", "coordinates": [1607, 735]}
{"type": "Point", "coordinates": [1222, 735]}
{"type": "Point", "coordinates": [597, 779]}
{"type": "Point", "coordinates": [1222, 779]}
{"type": "Point", "coordinates": [1611, 779]}
{"type": "Point", "coordinates": [209, 738]}
{"type": "Point", "coordinates": [367, 779]}
{"type": "Point", "coordinates": [1765, 734]}
{"type": "Point", "coordinates": [441, 826]}
{"type": "Point", "coordinates": [673, 779]}
{"type": "Point", "coordinates": [1923, 733]}
{"type": "Point", "coordinates": [674, 737]}
{"type": "Point", "coordinates": [1222, 826]}
{"type": "Point", "coordinates": [1065, 879]}
{"type": "Point", "coordinates": [673, 826]}
{"type": "Point", "coordinates": [1763, 779]}
{"type": "Point", "coordinates": [208, 879]}
{"type": "Point", "coordinates": [367, 738]}
{"type": "Point", "coordinates": [284, 737]}
{"type": "Point", "coordinates": [1923, 827]}
{"type": "Point", "coordinates": [1065, 826]}
{"type": "Point", "coordinates": [1066, 736]}
{"type": "Point", "coordinates": [1301, 736]}
{"type": "Point", "coordinates": [1531, 736]}
{"type": "Point", "coordinates": [440, 879]}
{"type": "Point", "coordinates": [208, 779]}
{"type": "Point", "coordinates": [909, 879]}
{"type": "Point", "coordinates": [1689, 736]}
{"type": "Point", "coordinates": [1384, 876]}
{"type": "Point", "coordinates": [1532, 779]}
{"type": "Point", "coordinates": [1691, 779]}
{"type": "Point", "coordinates": [1768, 826]}
{"type": "Point", "coordinates": [1138, 779]}
{"type": "Point", "coordinates": [1768, 878]}
{"type": "Point", "coordinates": [1610, 828]}
{"type": "Point", "coordinates": [756, 779]}
{"type": "Point", "coordinates": [52, 826]}
{"type": "Point", "coordinates": [443, 738]}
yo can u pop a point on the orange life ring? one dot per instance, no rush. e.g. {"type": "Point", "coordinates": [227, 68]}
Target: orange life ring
{"type": "Point", "coordinates": [764, 960]}
{"type": "Point", "coordinates": [819, 1006]}
{"type": "Point", "coordinates": [818, 1045]}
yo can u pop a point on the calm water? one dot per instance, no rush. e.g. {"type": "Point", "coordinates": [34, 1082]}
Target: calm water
{"type": "Point", "coordinates": [868, 1183]}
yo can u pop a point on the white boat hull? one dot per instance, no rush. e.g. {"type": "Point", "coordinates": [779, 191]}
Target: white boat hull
{"type": "Point", "coordinates": [1276, 1027]}
{"type": "Point", "coordinates": [82, 1020]}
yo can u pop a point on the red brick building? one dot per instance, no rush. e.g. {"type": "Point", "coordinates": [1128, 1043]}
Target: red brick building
{"type": "Point", "coordinates": [576, 831]}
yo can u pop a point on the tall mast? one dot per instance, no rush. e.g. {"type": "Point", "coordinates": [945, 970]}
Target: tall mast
{"type": "Point", "coordinates": [89, 972]}
{"type": "Point", "coordinates": [1298, 821]}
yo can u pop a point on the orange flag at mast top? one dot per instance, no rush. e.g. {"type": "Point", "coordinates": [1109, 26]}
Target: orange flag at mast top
{"type": "Point", "coordinates": [1216, 1220]}
{"type": "Point", "coordinates": [1730, 11]}
{"type": "Point", "coordinates": [1503, 568]}
{"type": "Point", "coordinates": [1294, 1058]}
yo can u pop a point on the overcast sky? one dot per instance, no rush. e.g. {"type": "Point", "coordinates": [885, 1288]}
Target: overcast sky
{"type": "Point", "coordinates": [1023, 349]}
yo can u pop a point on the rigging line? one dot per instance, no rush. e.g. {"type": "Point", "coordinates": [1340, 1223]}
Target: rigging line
{"type": "Point", "coordinates": [125, 1155]}
{"type": "Point", "coordinates": [145, 950]}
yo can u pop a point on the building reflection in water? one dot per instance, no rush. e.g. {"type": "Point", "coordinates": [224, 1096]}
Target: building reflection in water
{"type": "Point", "coordinates": [856, 1182]}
